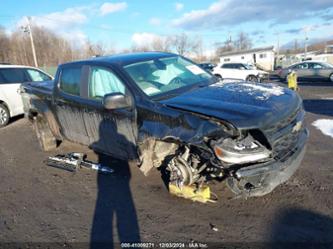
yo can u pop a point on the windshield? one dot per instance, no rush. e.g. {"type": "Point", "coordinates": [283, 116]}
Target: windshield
{"type": "Point", "coordinates": [166, 74]}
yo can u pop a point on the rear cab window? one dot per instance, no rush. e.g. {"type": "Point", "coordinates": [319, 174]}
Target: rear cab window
{"type": "Point", "coordinates": [70, 78]}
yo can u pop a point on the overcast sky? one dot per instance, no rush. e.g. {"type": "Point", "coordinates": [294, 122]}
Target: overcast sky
{"type": "Point", "coordinates": [123, 23]}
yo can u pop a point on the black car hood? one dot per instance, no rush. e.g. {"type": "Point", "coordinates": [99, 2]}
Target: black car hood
{"type": "Point", "coordinates": [245, 105]}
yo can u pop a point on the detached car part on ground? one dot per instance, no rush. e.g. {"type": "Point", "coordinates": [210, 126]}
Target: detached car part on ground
{"type": "Point", "coordinates": [162, 110]}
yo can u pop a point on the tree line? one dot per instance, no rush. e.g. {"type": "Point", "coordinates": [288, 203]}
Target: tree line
{"type": "Point", "coordinates": [53, 49]}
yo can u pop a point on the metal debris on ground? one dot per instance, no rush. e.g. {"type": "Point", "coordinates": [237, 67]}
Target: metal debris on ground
{"type": "Point", "coordinates": [73, 161]}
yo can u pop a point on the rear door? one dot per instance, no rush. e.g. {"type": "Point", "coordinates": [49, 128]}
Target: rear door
{"type": "Point", "coordinates": [302, 70]}
{"type": "Point", "coordinates": [67, 102]}
{"type": "Point", "coordinates": [10, 81]}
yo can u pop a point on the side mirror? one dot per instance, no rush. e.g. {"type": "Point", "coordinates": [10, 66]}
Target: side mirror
{"type": "Point", "coordinates": [115, 101]}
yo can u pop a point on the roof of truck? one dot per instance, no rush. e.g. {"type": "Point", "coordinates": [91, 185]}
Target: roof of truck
{"type": "Point", "coordinates": [128, 58]}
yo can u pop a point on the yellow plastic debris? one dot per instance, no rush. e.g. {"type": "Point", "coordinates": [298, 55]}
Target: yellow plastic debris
{"type": "Point", "coordinates": [292, 81]}
{"type": "Point", "coordinates": [192, 192]}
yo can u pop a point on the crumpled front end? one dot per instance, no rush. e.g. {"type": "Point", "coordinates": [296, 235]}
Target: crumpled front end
{"type": "Point", "coordinates": [277, 156]}
{"type": "Point", "coordinates": [260, 179]}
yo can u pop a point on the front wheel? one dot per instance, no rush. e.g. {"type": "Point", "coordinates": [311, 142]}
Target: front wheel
{"type": "Point", "coordinates": [252, 78]}
{"type": "Point", "coordinates": [4, 115]}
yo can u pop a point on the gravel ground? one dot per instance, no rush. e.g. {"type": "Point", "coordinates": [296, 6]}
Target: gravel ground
{"type": "Point", "coordinates": [43, 204]}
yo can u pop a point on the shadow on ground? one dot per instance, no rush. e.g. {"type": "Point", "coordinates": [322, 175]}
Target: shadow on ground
{"type": "Point", "coordinates": [300, 228]}
{"type": "Point", "coordinates": [115, 209]}
{"type": "Point", "coordinates": [319, 106]}
{"type": "Point", "coordinates": [114, 205]}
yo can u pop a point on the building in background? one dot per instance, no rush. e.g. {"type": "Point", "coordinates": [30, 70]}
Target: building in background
{"type": "Point", "coordinates": [263, 58]}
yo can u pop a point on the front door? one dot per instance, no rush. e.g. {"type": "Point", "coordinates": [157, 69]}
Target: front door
{"type": "Point", "coordinates": [112, 132]}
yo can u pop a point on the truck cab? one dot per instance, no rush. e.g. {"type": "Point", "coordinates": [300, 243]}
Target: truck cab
{"type": "Point", "coordinates": [162, 110]}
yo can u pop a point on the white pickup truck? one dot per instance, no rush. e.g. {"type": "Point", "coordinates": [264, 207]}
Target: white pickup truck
{"type": "Point", "coordinates": [11, 77]}
{"type": "Point", "coordinates": [240, 71]}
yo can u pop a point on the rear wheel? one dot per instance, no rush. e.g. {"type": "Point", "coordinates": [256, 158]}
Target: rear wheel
{"type": "Point", "coordinates": [45, 137]}
{"type": "Point", "coordinates": [4, 115]}
{"type": "Point", "coordinates": [252, 78]}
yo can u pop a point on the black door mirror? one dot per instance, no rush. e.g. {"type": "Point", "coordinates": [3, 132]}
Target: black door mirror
{"type": "Point", "coordinates": [115, 101]}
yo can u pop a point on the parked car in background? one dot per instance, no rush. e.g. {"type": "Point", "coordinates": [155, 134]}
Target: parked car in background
{"type": "Point", "coordinates": [160, 109]}
{"type": "Point", "coordinates": [207, 66]}
{"type": "Point", "coordinates": [241, 71]}
{"type": "Point", "coordinates": [310, 70]}
{"type": "Point", "coordinates": [11, 77]}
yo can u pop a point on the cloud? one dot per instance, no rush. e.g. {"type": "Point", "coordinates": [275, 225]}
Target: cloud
{"type": "Point", "coordinates": [145, 39]}
{"type": "Point", "coordinates": [68, 18]}
{"type": "Point", "coordinates": [61, 22]}
{"type": "Point", "coordinates": [327, 17]}
{"type": "Point", "coordinates": [230, 13]}
{"type": "Point", "coordinates": [107, 8]}
{"type": "Point", "coordinates": [179, 6]}
{"type": "Point", "coordinates": [155, 21]}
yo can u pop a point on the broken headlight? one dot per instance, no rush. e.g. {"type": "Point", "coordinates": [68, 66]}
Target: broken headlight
{"type": "Point", "coordinates": [247, 150]}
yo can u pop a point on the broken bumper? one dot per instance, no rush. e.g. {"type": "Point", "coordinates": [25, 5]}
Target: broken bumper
{"type": "Point", "coordinates": [261, 179]}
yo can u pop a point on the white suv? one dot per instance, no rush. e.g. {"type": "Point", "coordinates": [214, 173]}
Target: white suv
{"type": "Point", "coordinates": [11, 77]}
{"type": "Point", "coordinates": [240, 71]}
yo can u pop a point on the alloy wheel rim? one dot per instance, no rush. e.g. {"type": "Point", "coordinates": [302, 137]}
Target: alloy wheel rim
{"type": "Point", "coordinates": [3, 116]}
{"type": "Point", "coordinates": [331, 77]}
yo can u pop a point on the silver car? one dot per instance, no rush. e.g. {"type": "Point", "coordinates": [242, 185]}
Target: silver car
{"type": "Point", "coordinates": [310, 70]}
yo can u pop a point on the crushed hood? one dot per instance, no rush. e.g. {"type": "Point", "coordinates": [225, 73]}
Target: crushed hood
{"type": "Point", "coordinates": [245, 105]}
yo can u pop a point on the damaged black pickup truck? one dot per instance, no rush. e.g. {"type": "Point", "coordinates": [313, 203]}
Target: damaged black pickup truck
{"type": "Point", "coordinates": [162, 110]}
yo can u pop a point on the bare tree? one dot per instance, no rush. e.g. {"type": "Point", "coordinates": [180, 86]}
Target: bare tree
{"type": "Point", "coordinates": [162, 44]}
{"type": "Point", "coordinates": [181, 43]}
{"type": "Point", "coordinates": [243, 41]}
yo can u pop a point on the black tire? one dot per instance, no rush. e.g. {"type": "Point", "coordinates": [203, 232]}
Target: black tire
{"type": "Point", "coordinates": [4, 115]}
{"type": "Point", "coordinates": [46, 139]}
{"type": "Point", "coordinates": [252, 78]}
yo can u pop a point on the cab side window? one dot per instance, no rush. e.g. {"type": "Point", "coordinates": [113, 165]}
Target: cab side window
{"type": "Point", "coordinates": [102, 81]}
{"type": "Point", "coordinates": [70, 79]}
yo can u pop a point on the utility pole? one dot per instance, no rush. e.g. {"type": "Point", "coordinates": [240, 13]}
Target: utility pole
{"type": "Point", "coordinates": [29, 30]}
{"type": "Point", "coordinates": [306, 45]}
{"type": "Point", "coordinates": [278, 49]}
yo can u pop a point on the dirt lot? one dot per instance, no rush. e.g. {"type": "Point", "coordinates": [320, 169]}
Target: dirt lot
{"type": "Point", "coordinates": [44, 204]}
